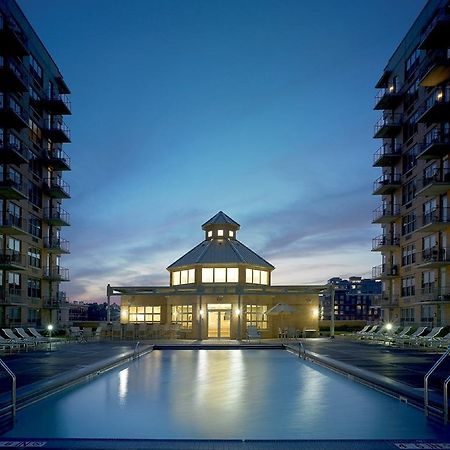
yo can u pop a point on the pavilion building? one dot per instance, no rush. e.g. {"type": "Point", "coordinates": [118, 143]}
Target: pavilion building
{"type": "Point", "coordinates": [218, 289]}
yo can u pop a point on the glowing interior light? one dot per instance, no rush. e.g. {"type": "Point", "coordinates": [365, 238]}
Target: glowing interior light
{"type": "Point", "coordinates": [389, 326]}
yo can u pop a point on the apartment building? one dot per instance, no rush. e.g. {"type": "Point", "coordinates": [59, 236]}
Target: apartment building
{"type": "Point", "coordinates": [414, 185]}
{"type": "Point", "coordinates": [354, 299]}
{"type": "Point", "coordinates": [33, 102]}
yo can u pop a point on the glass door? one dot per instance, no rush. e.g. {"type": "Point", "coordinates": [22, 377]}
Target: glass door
{"type": "Point", "coordinates": [219, 323]}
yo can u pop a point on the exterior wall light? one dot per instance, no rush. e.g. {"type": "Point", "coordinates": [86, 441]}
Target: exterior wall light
{"type": "Point", "coordinates": [238, 312]}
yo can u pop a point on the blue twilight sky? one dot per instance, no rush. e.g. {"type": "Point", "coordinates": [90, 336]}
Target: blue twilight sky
{"type": "Point", "coordinates": [182, 108]}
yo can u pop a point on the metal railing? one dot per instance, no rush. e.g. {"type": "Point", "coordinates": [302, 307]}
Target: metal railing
{"type": "Point", "coordinates": [386, 211]}
{"type": "Point", "coordinates": [381, 241]}
{"type": "Point", "coordinates": [438, 215]}
{"type": "Point", "coordinates": [436, 175]}
{"type": "Point", "coordinates": [13, 388]}
{"type": "Point", "coordinates": [59, 214]}
{"type": "Point", "coordinates": [387, 150]}
{"type": "Point", "coordinates": [425, 386]}
{"type": "Point", "coordinates": [388, 120]}
{"type": "Point", "coordinates": [436, 254]}
{"type": "Point", "coordinates": [386, 180]}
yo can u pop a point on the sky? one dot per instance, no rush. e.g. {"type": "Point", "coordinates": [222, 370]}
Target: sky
{"type": "Point", "coordinates": [181, 108]}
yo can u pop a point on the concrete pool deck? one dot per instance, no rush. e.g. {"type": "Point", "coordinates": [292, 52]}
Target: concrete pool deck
{"type": "Point", "coordinates": [46, 370]}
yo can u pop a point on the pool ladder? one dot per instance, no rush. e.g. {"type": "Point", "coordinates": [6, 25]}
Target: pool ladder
{"type": "Point", "coordinates": [7, 420]}
{"type": "Point", "coordinates": [446, 383]}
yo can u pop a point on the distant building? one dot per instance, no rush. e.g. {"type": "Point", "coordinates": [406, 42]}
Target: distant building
{"type": "Point", "coordinates": [33, 101]}
{"type": "Point", "coordinates": [78, 311]}
{"type": "Point", "coordinates": [354, 299]}
{"type": "Point", "coordinates": [414, 184]}
{"type": "Point", "coordinates": [219, 289]}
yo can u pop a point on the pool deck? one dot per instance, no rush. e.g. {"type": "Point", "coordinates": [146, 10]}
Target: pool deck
{"type": "Point", "coordinates": [398, 371]}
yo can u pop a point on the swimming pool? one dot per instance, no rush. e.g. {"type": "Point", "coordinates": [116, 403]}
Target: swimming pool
{"type": "Point", "coordinates": [223, 394]}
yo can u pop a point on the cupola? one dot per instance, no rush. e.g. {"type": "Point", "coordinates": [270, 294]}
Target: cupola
{"type": "Point", "coordinates": [220, 226]}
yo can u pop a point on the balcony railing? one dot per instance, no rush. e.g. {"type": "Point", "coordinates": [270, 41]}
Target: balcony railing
{"type": "Point", "coordinates": [388, 98]}
{"type": "Point", "coordinates": [387, 184]}
{"type": "Point", "coordinates": [13, 78]}
{"type": "Point", "coordinates": [388, 126]}
{"type": "Point", "coordinates": [389, 300]}
{"type": "Point", "coordinates": [436, 147]}
{"type": "Point", "coordinates": [436, 256]}
{"type": "Point", "coordinates": [436, 220]}
{"type": "Point", "coordinates": [57, 104]}
{"type": "Point", "coordinates": [436, 109]}
{"type": "Point", "coordinates": [54, 245]}
{"type": "Point", "coordinates": [436, 35]}
{"type": "Point", "coordinates": [55, 301]}
{"type": "Point", "coordinates": [56, 273]}
{"type": "Point", "coordinates": [12, 189]}
{"type": "Point", "coordinates": [13, 153]}
{"type": "Point", "coordinates": [56, 216]}
{"type": "Point", "coordinates": [431, 292]}
{"type": "Point", "coordinates": [435, 182]}
{"type": "Point", "coordinates": [11, 113]}
{"type": "Point", "coordinates": [437, 70]}
{"type": "Point", "coordinates": [11, 260]}
{"type": "Point", "coordinates": [387, 155]}
{"type": "Point", "coordinates": [12, 297]}
{"type": "Point", "coordinates": [381, 243]}
{"type": "Point", "coordinates": [57, 131]}
{"type": "Point", "coordinates": [385, 271]}
{"type": "Point", "coordinates": [57, 187]}
{"type": "Point", "coordinates": [12, 38]}
{"type": "Point", "coordinates": [386, 213]}
{"type": "Point", "coordinates": [12, 225]}
{"type": "Point", "coordinates": [57, 159]}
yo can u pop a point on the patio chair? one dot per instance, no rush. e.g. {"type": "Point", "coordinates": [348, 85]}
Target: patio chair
{"type": "Point", "coordinates": [253, 333]}
{"type": "Point", "coordinates": [22, 334]}
{"type": "Point", "coordinates": [87, 333]}
{"type": "Point", "coordinates": [427, 339]}
{"type": "Point", "coordinates": [16, 339]}
{"type": "Point", "coordinates": [365, 329]}
{"type": "Point", "coordinates": [74, 333]}
{"type": "Point", "coordinates": [99, 332]}
{"type": "Point", "coordinates": [368, 333]}
{"type": "Point", "coordinates": [34, 333]}
{"type": "Point", "coordinates": [8, 344]}
{"type": "Point", "coordinates": [410, 337]}
{"type": "Point", "coordinates": [385, 333]}
{"type": "Point", "coordinates": [392, 337]}
{"type": "Point", "coordinates": [440, 342]}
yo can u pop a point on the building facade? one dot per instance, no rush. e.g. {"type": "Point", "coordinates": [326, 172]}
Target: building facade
{"type": "Point", "coordinates": [218, 289]}
{"type": "Point", "coordinates": [354, 299]}
{"type": "Point", "coordinates": [33, 102]}
{"type": "Point", "coordinates": [414, 186]}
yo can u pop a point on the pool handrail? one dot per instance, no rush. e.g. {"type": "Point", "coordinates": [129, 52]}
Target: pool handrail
{"type": "Point", "coordinates": [13, 388]}
{"type": "Point", "coordinates": [425, 382]}
{"type": "Point", "coordinates": [446, 382]}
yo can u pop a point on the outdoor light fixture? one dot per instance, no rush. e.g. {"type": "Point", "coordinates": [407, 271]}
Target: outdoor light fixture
{"type": "Point", "coordinates": [202, 313]}
{"type": "Point", "coordinates": [389, 326]}
{"type": "Point", "coordinates": [238, 312]}
{"type": "Point", "coordinates": [50, 329]}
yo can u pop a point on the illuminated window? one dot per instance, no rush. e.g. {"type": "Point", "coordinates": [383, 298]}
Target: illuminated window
{"type": "Point", "coordinates": [256, 276]}
{"type": "Point", "coordinates": [183, 277]}
{"type": "Point", "coordinates": [256, 316]}
{"type": "Point", "coordinates": [248, 275]}
{"type": "Point", "coordinates": [209, 233]}
{"type": "Point", "coordinates": [232, 275]}
{"type": "Point", "coordinates": [220, 275]}
{"type": "Point", "coordinates": [231, 233]}
{"type": "Point", "coordinates": [148, 314]}
{"type": "Point", "coordinates": [207, 275]}
{"type": "Point", "coordinates": [219, 232]}
{"type": "Point", "coordinates": [182, 315]}
{"type": "Point", "coordinates": [264, 277]}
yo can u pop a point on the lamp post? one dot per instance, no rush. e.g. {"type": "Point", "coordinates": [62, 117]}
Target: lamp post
{"type": "Point", "coordinates": [50, 329]}
{"type": "Point", "coordinates": [332, 292]}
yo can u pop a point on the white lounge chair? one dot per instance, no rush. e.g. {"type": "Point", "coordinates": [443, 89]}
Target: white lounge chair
{"type": "Point", "coordinates": [364, 330]}
{"type": "Point", "coordinates": [22, 334]}
{"type": "Point", "coordinates": [253, 333]}
{"type": "Point", "coordinates": [368, 333]}
{"type": "Point", "coordinates": [8, 344]}
{"type": "Point", "coordinates": [16, 339]}
{"type": "Point", "coordinates": [392, 337]}
{"type": "Point", "coordinates": [411, 337]}
{"type": "Point", "coordinates": [427, 339]}
{"type": "Point", "coordinates": [440, 342]}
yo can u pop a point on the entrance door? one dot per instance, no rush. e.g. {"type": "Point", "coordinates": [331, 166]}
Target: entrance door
{"type": "Point", "coordinates": [219, 324]}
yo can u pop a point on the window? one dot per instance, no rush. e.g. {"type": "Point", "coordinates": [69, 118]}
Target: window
{"type": "Point", "coordinates": [34, 257]}
{"type": "Point", "coordinates": [14, 283]}
{"type": "Point", "coordinates": [35, 195]}
{"type": "Point", "coordinates": [209, 233]}
{"type": "Point", "coordinates": [409, 192]}
{"type": "Point", "coordinates": [256, 276]}
{"type": "Point", "coordinates": [428, 280]}
{"type": "Point", "coordinates": [408, 223]}
{"type": "Point", "coordinates": [410, 160]}
{"type": "Point", "coordinates": [35, 132]}
{"type": "Point", "coordinates": [35, 226]}
{"type": "Point", "coordinates": [220, 275]}
{"type": "Point", "coordinates": [407, 315]}
{"type": "Point", "coordinates": [412, 62]}
{"type": "Point", "coordinates": [35, 69]}
{"type": "Point", "coordinates": [149, 314]}
{"type": "Point", "coordinates": [183, 277]}
{"type": "Point", "coordinates": [219, 232]}
{"type": "Point", "coordinates": [182, 315]}
{"type": "Point", "coordinates": [408, 286]}
{"type": "Point", "coordinates": [256, 316]}
{"type": "Point", "coordinates": [426, 313]}
{"type": "Point", "coordinates": [11, 175]}
{"type": "Point", "coordinates": [230, 233]}
{"type": "Point", "coordinates": [14, 245]}
{"type": "Point", "coordinates": [34, 288]}
{"type": "Point", "coordinates": [14, 214]}
{"type": "Point", "coordinates": [408, 255]}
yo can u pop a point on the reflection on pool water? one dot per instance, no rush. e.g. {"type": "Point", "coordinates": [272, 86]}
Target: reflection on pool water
{"type": "Point", "coordinates": [223, 394]}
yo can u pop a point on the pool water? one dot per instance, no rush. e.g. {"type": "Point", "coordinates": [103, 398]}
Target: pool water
{"type": "Point", "coordinates": [223, 394]}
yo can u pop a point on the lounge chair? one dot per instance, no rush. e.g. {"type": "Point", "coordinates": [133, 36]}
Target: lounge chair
{"type": "Point", "coordinates": [253, 333]}
{"type": "Point", "coordinates": [368, 333]}
{"type": "Point", "coordinates": [410, 337]}
{"type": "Point", "coordinates": [87, 333]}
{"type": "Point", "coordinates": [34, 333]}
{"type": "Point", "coordinates": [22, 334]}
{"type": "Point", "coordinates": [392, 337]}
{"type": "Point", "coordinates": [16, 339]}
{"type": "Point", "coordinates": [364, 330]}
{"type": "Point", "coordinates": [440, 342]}
{"type": "Point", "coordinates": [424, 340]}
{"type": "Point", "coordinates": [99, 332]}
{"type": "Point", "coordinates": [386, 333]}
{"type": "Point", "coordinates": [8, 344]}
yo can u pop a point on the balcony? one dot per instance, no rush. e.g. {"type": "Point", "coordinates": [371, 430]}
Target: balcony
{"type": "Point", "coordinates": [12, 225]}
{"type": "Point", "coordinates": [13, 153]}
{"type": "Point", "coordinates": [57, 246]}
{"type": "Point", "coordinates": [436, 220]}
{"type": "Point", "coordinates": [437, 71]}
{"type": "Point", "coordinates": [387, 155]}
{"type": "Point", "coordinates": [56, 159]}
{"type": "Point", "coordinates": [385, 271]}
{"type": "Point", "coordinates": [56, 188]}
{"type": "Point", "coordinates": [57, 104]}
{"type": "Point", "coordinates": [11, 260]}
{"type": "Point", "coordinates": [386, 213]}
{"type": "Point", "coordinates": [12, 38]}
{"type": "Point", "coordinates": [388, 98]}
{"type": "Point", "coordinates": [56, 216]}
{"type": "Point", "coordinates": [389, 301]}
{"type": "Point", "coordinates": [387, 184]}
{"type": "Point", "coordinates": [12, 77]}
{"type": "Point", "coordinates": [12, 190]}
{"type": "Point", "coordinates": [385, 243]}
{"type": "Point", "coordinates": [11, 115]}
{"type": "Point", "coordinates": [57, 131]}
{"type": "Point", "coordinates": [436, 108]}
{"type": "Point", "coordinates": [435, 182]}
{"type": "Point", "coordinates": [432, 293]}
{"type": "Point", "coordinates": [436, 35]}
{"type": "Point", "coordinates": [433, 258]}
{"type": "Point", "coordinates": [12, 297]}
{"type": "Point", "coordinates": [55, 301]}
{"type": "Point", "coordinates": [388, 126]}
{"type": "Point", "coordinates": [56, 273]}
{"type": "Point", "coordinates": [438, 147]}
